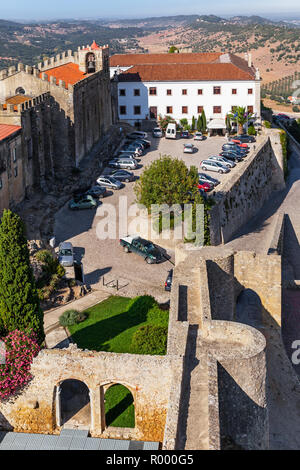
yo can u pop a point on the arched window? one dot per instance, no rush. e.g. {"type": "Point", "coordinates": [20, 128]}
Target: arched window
{"type": "Point", "coordinates": [90, 62]}
{"type": "Point", "coordinates": [119, 407]}
{"type": "Point", "coordinates": [74, 403]}
{"type": "Point", "coordinates": [20, 91]}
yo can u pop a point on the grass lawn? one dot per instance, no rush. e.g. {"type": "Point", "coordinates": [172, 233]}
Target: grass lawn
{"type": "Point", "coordinates": [110, 325]}
{"type": "Point", "coordinates": [119, 407]}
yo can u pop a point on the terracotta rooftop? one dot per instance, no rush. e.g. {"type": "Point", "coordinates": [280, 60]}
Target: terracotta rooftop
{"type": "Point", "coordinates": [186, 58]}
{"type": "Point", "coordinates": [186, 72]}
{"type": "Point", "coordinates": [94, 46]}
{"type": "Point", "coordinates": [17, 99]}
{"type": "Point", "coordinates": [70, 73]}
{"type": "Point", "coordinates": [6, 130]}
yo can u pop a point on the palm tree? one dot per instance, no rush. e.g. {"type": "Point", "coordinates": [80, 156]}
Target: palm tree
{"type": "Point", "coordinates": [240, 116]}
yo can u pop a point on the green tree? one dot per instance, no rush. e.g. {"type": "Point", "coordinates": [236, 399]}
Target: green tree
{"type": "Point", "coordinates": [199, 123]}
{"type": "Point", "coordinates": [240, 116]}
{"type": "Point", "coordinates": [19, 302]}
{"type": "Point", "coordinates": [204, 122]}
{"type": "Point", "coordinates": [173, 49]}
{"type": "Point", "coordinates": [193, 126]}
{"type": "Point", "coordinates": [166, 181]}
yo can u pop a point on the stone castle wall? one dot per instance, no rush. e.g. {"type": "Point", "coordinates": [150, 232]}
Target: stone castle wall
{"type": "Point", "coordinates": [248, 189]}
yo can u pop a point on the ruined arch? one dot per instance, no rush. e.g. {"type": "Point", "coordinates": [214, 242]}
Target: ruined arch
{"type": "Point", "coordinates": [73, 403]}
{"type": "Point", "coordinates": [118, 405]}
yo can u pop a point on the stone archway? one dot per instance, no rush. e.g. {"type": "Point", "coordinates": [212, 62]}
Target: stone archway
{"type": "Point", "coordinates": [119, 406]}
{"type": "Point", "coordinates": [73, 404]}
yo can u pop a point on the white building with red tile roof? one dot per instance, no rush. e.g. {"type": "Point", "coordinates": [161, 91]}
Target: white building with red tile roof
{"type": "Point", "coordinates": [182, 85]}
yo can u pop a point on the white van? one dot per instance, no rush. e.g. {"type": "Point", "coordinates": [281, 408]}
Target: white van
{"type": "Point", "coordinates": [171, 131]}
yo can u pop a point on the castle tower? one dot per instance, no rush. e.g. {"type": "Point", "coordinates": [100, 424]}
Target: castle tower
{"type": "Point", "coordinates": [93, 58]}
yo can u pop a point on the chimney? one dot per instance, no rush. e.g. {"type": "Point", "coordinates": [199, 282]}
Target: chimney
{"type": "Point", "coordinates": [249, 60]}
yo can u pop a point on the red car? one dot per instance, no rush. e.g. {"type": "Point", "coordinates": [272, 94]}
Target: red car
{"type": "Point", "coordinates": [240, 143]}
{"type": "Point", "coordinates": [205, 186]}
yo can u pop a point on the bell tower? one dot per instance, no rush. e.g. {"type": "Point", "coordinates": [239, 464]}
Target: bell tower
{"type": "Point", "coordinates": [93, 58]}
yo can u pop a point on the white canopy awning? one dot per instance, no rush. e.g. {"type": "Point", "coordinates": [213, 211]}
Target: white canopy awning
{"type": "Point", "coordinates": [216, 124]}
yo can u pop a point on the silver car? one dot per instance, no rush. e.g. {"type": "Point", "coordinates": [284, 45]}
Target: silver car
{"type": "Point", "coordinates": [214, 166]}
{"type": "Point", "coordinates": [198, 136]}
{"type": "Point", "coordinates": [66, 254]}
{"type": "Point", "coordinates": [157, 132]}
{"type": "Point", "coordinates": [126, 163]}
{"type": "Point", "coordinates": [109, 182]}
{"type": "Point", "coordinates": [222, 160]}
{"type": "Point", "coordinates": [189, 148]}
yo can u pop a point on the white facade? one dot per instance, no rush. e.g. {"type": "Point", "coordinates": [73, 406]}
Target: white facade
{"type": "Point", "coordinates": [241, 96]}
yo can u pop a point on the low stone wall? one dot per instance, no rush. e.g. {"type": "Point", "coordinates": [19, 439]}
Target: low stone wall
{"type": "Point", "coordinates": [276, 245]}
{"type": "Point", "coordinates": [246, 192]}
{"type": "Point", "coordinates": [149, 378]}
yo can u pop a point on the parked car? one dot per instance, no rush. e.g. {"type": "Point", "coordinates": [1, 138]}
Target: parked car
{"type": "Point", "coordinates": [204, 186]}
{"type": "Point", "coordinates": [157, 132]}
{"type": "Point", "coordinates": [168, 283]}
{"type": "Point", "coordinates": [66, 254]}
{"type": "Point", "coordinates": [122, 175]}
{"type": "Point", "coordinates": [171, 132]}
{"type": "Point", "coordinates": [128, 163]}
{"type": "Point", "coordinates": [239, 142]}
{"type": "Point", "coordinates": [231, 155]}
{"type": "Point", "coordinates": [97, 192]}
{"type": "Point", "coordinates": [85, 202]}
{"type": "Point", "coordinates": [127, 156]}
{"type": "Point", "coordinates": [236, 148]}
{"type": "Point", "coordinates": [222, 160]}
{"type": "Point", "coordinates": [214, 166]}
{"type": "Point", "coordinates": [144, 248]}
{"type": "Point", "coordinates": [144, 142]}
{"type": "Point", "coordinates": [134, 142]}
{"type": "Point", "coordinates": [245, 138]}
{"type": "Point", "coordinates": [137, 134]}
{"type": "Point", "coordinates": [198, 136]}
{"type": "Point", "coordinates": [109, 182]}
{"type": "Point", "coordinates": [185, 135]}
{"type": "Point", "coordinates": [134, 149]}
{"type": "Point", "coordinates": [125, 153]}
{"type": "Point", "coordinates": [208, 179]}
{"type": "Point", "coordinates": [189, 148]}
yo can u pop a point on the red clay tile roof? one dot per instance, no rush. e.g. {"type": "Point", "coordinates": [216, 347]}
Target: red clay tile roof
{"type": "Point", "coordinates": [70, 73]}
{"type": "Point", "coordinates": [17, 99]}
{"type": "Point", "coordinates": [94, 46]}
{"type": "Point", "coordinates": [6, 130]}
{"type": "Point", "coordinates": [186, 58]}
{"type": "Point", "coordinates": [186, 72]}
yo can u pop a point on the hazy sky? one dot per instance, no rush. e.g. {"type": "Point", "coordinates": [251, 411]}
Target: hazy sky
{"type": "Point", "coordinates": [39, 9]}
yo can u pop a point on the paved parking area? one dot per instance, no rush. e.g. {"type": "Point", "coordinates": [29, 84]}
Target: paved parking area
{"type": "Point", "coordinates": [105, 258]}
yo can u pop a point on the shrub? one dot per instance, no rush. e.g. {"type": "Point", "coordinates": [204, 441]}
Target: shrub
{"type": "Point", "coordinates": [150, 339]}
{"type": "Point", "coordinates": [44, 256]}
{"type": "Point", "coordinates": [267, 124]}
{"type": "Point", "coordinates": [21, 347]}
{"type": "Point", "coordinates": [251, 130]}
{"type": "Point", "coordinates": [71, 317]}
{"type": "Point", "coordinates": [156, 316]}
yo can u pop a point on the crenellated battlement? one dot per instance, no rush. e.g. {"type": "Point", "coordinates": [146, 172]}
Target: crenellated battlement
{"type": "Point", "coordinates": [8, 109]}
{"type": "Point", "coordinates": [60, 59]}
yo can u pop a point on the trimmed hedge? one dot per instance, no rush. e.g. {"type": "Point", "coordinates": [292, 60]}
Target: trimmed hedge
{"type": "Point", "coordinates": [150, 339]}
